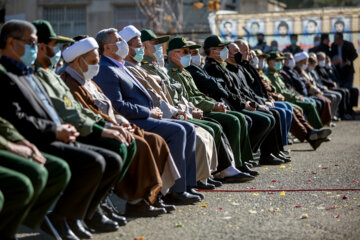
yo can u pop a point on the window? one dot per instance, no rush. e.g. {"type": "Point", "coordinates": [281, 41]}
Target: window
{"type": "Point", "coordinates": [67, 21]}
{"type": "Point", "coordinates": [129, 15]}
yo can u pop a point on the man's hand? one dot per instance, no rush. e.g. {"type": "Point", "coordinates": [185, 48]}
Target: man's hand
{"type": "Point", "coordinates": [26, 152]}
{"type": "Point", "coordinates": [219, 107]}
{"type": "Point", "coordinates": [181, 113]}
{"type": "Point", "coordinates": [269, 104]}
{"type": "Point", "coordinates": [263, 107]}
{"type": "Point", "coordinates": [156, 113]}
{"type": "Point", "coordinates": [197, 113]}
{"type": "Point", "coordinates": [38, 157]}
{"type": "Point", "coordinates": [66, 133]}
{"type": "Point", "coordinates": [281, 97]}
{"type": "Point", "coordinates": [300, 98]}
{"type": "Point", "coordinates": [114, 134]}
{"type": "Point", "coordinates": [249, 107]}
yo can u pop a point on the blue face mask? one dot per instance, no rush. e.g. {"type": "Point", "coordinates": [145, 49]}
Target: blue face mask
{"type": "Point", "coordinates": [57, 55]}
{"type": "Point", "coordinates": [158, 51]}
{"type": "Point", "coordinates": [185, 61]}
{"type": "Point", "coordinates": [30, 55]}
{"type": "Point", "coordinates": [275, 48]}
{"type": "Point", "coordinates": [278, 66]}
{"type": "Point", "coordinates": [293, 41]}
{"type": "Point", "coordinates": [139, 54]}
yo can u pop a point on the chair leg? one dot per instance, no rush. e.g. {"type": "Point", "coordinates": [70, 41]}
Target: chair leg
{"type": "Point", "coordinates": [52, 229]}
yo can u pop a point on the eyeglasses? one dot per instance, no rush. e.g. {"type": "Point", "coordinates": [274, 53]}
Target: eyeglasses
{"type": "Point", "coordinates": [30, 42]}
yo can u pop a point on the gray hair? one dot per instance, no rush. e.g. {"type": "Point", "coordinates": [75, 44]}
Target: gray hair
{"type": "Point", "coordinates": [241, 42]}
{"type": "Point", "coordinates": [15, 29]}
{"type": "Point", "coordinates": [102, 38]}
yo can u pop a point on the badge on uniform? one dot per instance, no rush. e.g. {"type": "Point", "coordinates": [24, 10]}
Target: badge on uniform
{"type": "Point", "coordinates": [67, 102]}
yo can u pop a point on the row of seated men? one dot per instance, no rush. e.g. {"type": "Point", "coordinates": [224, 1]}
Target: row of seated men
{"type": "Point", "coordinates": [117, 118]}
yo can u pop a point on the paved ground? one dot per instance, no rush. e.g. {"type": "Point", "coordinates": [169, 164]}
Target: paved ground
{"type": "Point", "coordinates": [262, 215]}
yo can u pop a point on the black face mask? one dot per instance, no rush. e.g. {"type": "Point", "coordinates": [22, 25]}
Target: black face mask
{"type": "Point", "coordinates": [238, 57]}
{"type": "Point", "coordinates": [260, 41]}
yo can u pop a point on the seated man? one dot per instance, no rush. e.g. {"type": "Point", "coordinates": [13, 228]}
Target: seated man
{"type": "Point", "coordinates": [30, 181]}
{"type": "Point", "coordinates": [91, 131]}
{"type": "Point", "coordinates": [30, 110]}
{"type": "Point", "coordinates": [290, 95]}
{"type": "Point", "coordinates": [275, 78]}
{"type": "Point", "coordinates": [131, 100]}
{"type": "Point", "coordinates": [175, 89]}
{"type": "Point", "coordinates": [300, 127]}
{"type": "Point", "coordinates": [206, 160]}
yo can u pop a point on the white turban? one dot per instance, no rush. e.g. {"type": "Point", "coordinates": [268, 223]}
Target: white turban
{"type": "Point", "coordinates": [129, 32]}
{"type": "Point", "coordinates": [301, 56]}
{"type": "Point", "coordinates": [79, 48]}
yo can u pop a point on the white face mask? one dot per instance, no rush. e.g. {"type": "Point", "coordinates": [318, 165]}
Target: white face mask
{"type": "Point", "coordinates": [123, 49]}
{"type": "Point", "coordinates": [92, 71]}
{"type": "Point", "coordinates": [291, 63]}
{"type": "Point", "coordinates": [322, 63]}
{"type": "Point", "coordinates": [310, 68]}
{"type": "Point", "coordinates": [304, 66]}
{"type": "Point", "coordinates": [196, 60]}
{"type": "Point", "coordinates": [261, 63]}
{"type": "Point", "coordinates": [160, 60]}
{"type": "Point", "coordinates": [224, 54]}
{"type": "Point", "coordinates": [255, 62]}
{"type": "Point", "coordinates": [328, 65]}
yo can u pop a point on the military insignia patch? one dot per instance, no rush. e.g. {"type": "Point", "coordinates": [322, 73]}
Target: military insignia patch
{"type": "Point", "coordinates": [67, 102]}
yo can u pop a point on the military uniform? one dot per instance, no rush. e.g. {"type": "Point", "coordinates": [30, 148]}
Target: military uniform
{"type": "Point", "coordinates": [29, 188]}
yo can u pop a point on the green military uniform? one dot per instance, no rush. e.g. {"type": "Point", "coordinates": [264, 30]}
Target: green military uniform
{"type": "Point", "coordinates": [234, 123]}
{"type": "Point", "coordinates": [308, 108]}
{"type": "Point", "coordinates": [89, 124]}
{"type": "Point", "coordinates": [29, 188]}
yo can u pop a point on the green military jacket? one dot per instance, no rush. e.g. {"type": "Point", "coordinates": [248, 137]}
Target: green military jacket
{"type": "Point", "coordinates": [279, 84]}
{"type": "Point", "coordinates": [8, 133]}
{"type": "Point", "coordinates": [191, 92]}
{"type": "Point", "coordinates": [175, 88]}
{"type": "Point", "coordinates": [71, 111]}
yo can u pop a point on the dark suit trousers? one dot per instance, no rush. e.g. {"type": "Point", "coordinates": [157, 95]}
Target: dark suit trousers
{"type": "Point", "coordinates": [94, 170]}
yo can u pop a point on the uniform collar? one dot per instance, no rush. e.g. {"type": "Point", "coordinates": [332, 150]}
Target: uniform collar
{"type": "Point", "coordinates": [172, 67]}
{"type": "Point", "coordinates": [148, 60]}
{"type": "Point", "coordinates": [20, 68]}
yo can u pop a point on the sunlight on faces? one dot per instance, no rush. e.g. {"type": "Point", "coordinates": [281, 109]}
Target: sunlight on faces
{"type": "Point", "coordinates": [300, 63]}
{"type": "Point", "coordinates": [134, 43]}
{"type": "Point", "coordinates": [46, 51]}
{"type": "Point", "coordinates": [271, 63]}
{"type": "Point", "coordinates": [110, 47]}
{"type": "Point", "coordinates": [194, 52]}
{"type": "Point", "coordinates": [215, 53]}
{"type": "Point", "coordinates": [233, 49]}
{"type": "Point", "coordinates": [150, 47]}
{"type": "Point", "coordinates": [15, 48]}
{"type": "Point", "coordinates": [176, 54]}
{"type": "Point", "coordinates": [81, 62]}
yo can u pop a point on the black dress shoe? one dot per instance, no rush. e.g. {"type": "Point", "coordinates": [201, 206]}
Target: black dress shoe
{"type": "Point", "coordinates": [282, 157]}
{"type": "Point", "coordinates": [182, 198]}
{"type": "Point", "coordinates": [204, 186]}
{"type": "Point", "coordinates": [250, 165]}
{"type": "Point", "coordinates": [327, 139]}
{"type": "Point", "coordinates": [214, 182]}
{"type": "Point", "coordinates": [143, 209]}
{"type": "Point", "coordinates": [78, 228]}
{"type": "Point", "coordinates": [159, 203]}
{"type": "Point", "coordinates": [113, 214]}
{"type": "Point", "coordinates": [244, 168]}
{"type": "Point", "coordinates": [270, 160]}
{"type": "Point", "coordinates": [61, 227]}
{"type": "Point", "coordinates": [238, 178]}
{"type": "Point", "coordinates": [194, 192]}
{"type": "Point", "coordinates": [100, 223]}
{"type": "Point", "coordinates": [315, 144]}
{"type": "Point", "coordinates": [319, 134]}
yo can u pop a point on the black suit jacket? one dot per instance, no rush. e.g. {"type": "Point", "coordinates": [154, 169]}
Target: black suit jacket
{"type": "Point", "coordinates": [348, 52]}
{"type": "Point", "coordinates": [22, 107]}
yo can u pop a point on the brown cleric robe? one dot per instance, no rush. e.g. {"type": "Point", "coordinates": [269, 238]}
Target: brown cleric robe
{"type": "Point", "coordinates": [152, 169]}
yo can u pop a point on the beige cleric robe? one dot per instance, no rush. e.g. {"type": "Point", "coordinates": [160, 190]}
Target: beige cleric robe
{"type": "Point", "coordinates": [206, 154]}
{"type": "Point", "coordinates": [152, 169]}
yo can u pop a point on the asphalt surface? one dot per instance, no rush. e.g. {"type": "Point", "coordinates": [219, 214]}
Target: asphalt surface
{"type": "Point", "coordinates": [324, 214]}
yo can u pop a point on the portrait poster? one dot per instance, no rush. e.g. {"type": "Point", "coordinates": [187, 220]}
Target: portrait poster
{"type": "Point", "coordinates": [283, 28]}
{"type": "Point", "coordinates": [228, 29]}
{"type": "Point", "coordinates": [311, 27]}
{"type": "Point", "coordinates": [341, 24]}
{"type": "Point", "coordinates": [253, 27]}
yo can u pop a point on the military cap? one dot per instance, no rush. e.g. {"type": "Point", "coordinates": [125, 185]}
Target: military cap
{"type": "Point", "coordinates": [214, 41]}
{"type": "Point", "coordinates": [147, 35]}
{"type": "Point", "coordinates": [45, 32]}
{"type": "Point", "coordinates": [260, 53]}
{"type": "Point", "coordinates": [275, 55]}
{"type": "Point", "coordinates": [180, 42]}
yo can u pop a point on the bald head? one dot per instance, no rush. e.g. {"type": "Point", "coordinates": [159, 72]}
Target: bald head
{"type": "Point", "coordinates": [233, 49]}
{"type": "Point", "coordinates": [244, 48]}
